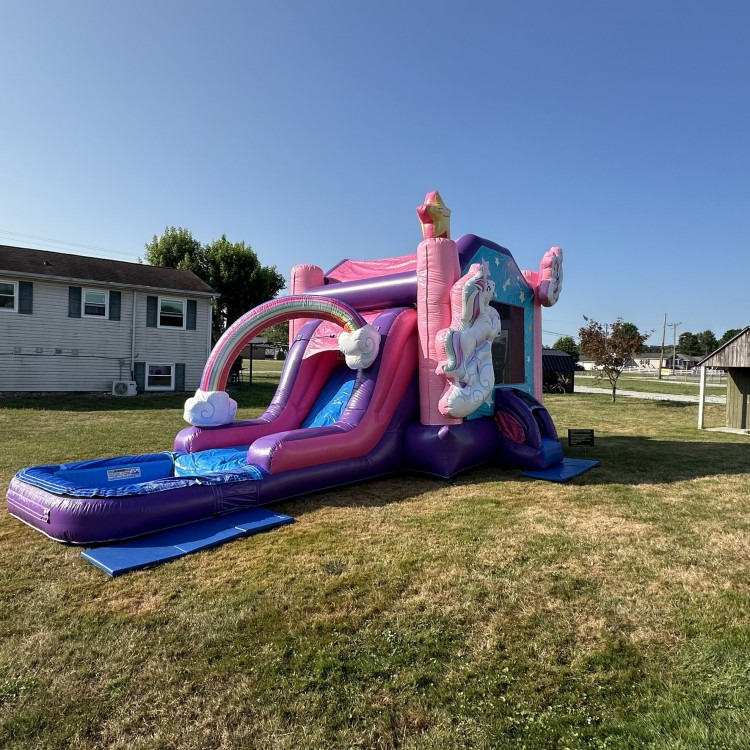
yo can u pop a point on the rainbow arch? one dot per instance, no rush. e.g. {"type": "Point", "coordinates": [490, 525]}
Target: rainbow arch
{"type": "Point", "coordinates": [244, 329]}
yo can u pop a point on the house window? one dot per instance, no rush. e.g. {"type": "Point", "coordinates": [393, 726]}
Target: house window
{"type": "Point", "coordinates": [94, 304]}
{"type": "Point", "coordinates": [171, 313]}
{"type": "Point", "coordinates": [8, 295]}
{"type": "Point", "coordinates": [159, 377]}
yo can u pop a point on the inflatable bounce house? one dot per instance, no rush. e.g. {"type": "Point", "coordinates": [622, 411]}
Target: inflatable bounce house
{"type": "Point", "coordinates": [429, 362]}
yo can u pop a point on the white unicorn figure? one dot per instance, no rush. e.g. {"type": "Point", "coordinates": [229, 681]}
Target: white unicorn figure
{"type": "Point", "coordinates": [465, 349]}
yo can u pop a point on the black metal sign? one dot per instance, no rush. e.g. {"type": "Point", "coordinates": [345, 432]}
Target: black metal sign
{"type": "Point", "coordinates": [581, 437]}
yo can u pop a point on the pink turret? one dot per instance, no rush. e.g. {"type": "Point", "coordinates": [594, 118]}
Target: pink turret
{"type": "Point", "coordinates": [437, 271]}
{"type": "Point", "coordinates": [304, 276]}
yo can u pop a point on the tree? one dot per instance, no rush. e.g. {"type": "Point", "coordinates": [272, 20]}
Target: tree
{"type": "Point", "coordinates": [232, 269]}
{"type": "Point", "coordinates": [568, 345]}
{"type": "Point", "coordinates": [689, 344]}
{"type": "Point", "coordinates": [278, 334]}
{"type": "Point", "coordinates": [697, 344]}
{"type": "Point", "coordinates": [176, 248]}
{"type": "Point", "coordinates": [235, 272]}
{"type": "Point", "coordinates": [728, 336]}
{"type": "Point", "coordinates": [611, 347]}
{"type": "Point", "coordinates": [707, 342]}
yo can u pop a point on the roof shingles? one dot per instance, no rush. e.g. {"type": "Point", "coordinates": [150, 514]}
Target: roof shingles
{"type": "Point", "coordinates": [21, 261]}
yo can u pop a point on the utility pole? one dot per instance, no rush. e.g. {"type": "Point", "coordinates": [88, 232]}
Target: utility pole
{"type": "Point", "coordinates": [663, 337]}
{"type": "Point", "coordinates": [673, 326]}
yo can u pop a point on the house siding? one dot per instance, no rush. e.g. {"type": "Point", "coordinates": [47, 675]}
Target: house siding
{"type": "Point", "coordinates": [49, 351]}
{"type": "Point", "coordinates": [174, 346]}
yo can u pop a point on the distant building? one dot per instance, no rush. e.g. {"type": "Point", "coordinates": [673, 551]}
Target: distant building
{"type": "Point", "coordinates": [650, 361]}
{"type": "Point", "coordinates": [258, 348]}
{"type": "Point", "coordinates": [681, 361]}
{"type": "Point", "coordinates": [647, 361]}
{"type": "Point", "coordinates": [73, 323]}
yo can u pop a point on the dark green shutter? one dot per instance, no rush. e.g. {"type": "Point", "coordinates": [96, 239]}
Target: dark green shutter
{"type": "Point", "coordinates": [192, 314]}
{"type": "Point", "coordinates": [115, 302]}
{"type": "Point", "coordinates": [74, 301]}
{"type": "Point", "coordinates": [25, 297]}
{"type": "Point", "coordinates": [179, 376]}
{"type": "Point", "coordinates": [139, 375]}
{"type": "Point", "coordinates": [152, 311]}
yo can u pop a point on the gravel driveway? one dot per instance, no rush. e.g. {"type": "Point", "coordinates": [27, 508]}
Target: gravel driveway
{"type": "Point", "coordinates": [653, 396]}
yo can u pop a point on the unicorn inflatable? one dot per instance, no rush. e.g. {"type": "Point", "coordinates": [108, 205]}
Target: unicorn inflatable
{"type": "Point", "coordinates": [427, 362]}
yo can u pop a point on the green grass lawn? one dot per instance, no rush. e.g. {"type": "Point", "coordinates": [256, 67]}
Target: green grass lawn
{"type": "Point", "coordinates": [488, 612]}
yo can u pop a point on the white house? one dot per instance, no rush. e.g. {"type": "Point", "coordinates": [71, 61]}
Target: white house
{"type": "Point", "coordinates": [72, 323]}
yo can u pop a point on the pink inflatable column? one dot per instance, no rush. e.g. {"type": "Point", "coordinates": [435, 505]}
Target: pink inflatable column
{"type": "Point", "coordinates": [303, 277]}
{"type": "Point", "coordinates": [532, 279]}
{"type": "Point", "coordinates": [437, 272]}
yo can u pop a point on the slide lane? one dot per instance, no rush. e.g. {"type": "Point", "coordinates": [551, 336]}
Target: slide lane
{"type": "Point", "coordinates": [376, 395]}
{"type": "Point", "coordinates": [278, 442]}
{"type": "Point", "coordinates": [302, 379]}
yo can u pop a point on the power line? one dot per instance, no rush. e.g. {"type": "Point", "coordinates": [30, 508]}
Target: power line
{"type": "Point", "coordinates": [56, 242]}
{"type": "Point", "coordinates": [557, 333]}
{"type": "Point", "coordinates": [74, 245]}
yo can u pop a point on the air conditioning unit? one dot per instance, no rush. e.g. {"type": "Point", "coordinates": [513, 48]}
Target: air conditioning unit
{"type": "Point", "coordinates": [124, 388]}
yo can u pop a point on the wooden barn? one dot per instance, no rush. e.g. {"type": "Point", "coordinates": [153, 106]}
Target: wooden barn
{"type": "Point", "coordinates": [734, 358]}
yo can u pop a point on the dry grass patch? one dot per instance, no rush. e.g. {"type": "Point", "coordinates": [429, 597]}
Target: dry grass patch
{"type": "Point", "coordinates": [492, 612]}
{"type": "Point", "coordinates": [130, 603]}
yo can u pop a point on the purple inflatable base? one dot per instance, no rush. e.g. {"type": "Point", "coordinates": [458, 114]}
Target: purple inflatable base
{"type": "Point", "coordinates": [89, 520]}
{"type": "Point", "coordinates": [444, 451]}
{"type": "Point", "coordinates": [407, 445]}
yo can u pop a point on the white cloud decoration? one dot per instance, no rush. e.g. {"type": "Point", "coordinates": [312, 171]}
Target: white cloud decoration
{"type": "Point", "coordinates": [210, 409]}
{"type": "Point", "coordinates": [360, 347]}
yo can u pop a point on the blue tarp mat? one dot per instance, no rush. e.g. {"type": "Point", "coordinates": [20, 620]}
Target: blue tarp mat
{"type": "Point", "coordinates": [567, 469]}
{"type": "Point", "coordinates": [134, 554]}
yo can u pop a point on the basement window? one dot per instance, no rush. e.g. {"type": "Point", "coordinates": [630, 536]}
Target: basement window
{"type": "Point", "coordinates": [159, 377]}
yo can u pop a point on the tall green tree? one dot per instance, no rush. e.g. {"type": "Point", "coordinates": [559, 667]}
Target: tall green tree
{"type": "Point", "coordinates": [231, 268]}
{"type": "Point", "coordinates": [728, 336]}
{"type": "Point", "coordinates": [611, 346]}
{"type": "Point", "coordinates": [707, 342]}
{"type": "Point", "coordinates": [235, 272]}
{"type": "Point", "coordinates": [176, 248]}
{"type": "Point", "coordinates": [568, 345]}
{"type": "Point", "coordinates": [689, 344]}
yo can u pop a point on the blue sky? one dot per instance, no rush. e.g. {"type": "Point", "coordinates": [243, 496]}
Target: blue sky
{"type": "Point", "coordinates": [311, 131]}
